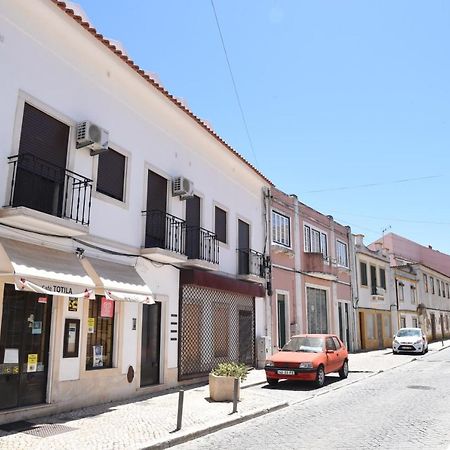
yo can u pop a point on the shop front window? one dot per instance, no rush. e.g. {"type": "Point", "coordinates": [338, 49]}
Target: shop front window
{"type": "Point", "coordinates": [100, 337]}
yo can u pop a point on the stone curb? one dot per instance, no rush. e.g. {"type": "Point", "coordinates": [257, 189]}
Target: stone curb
{"type": "Point", "coordinates": [199, 432]}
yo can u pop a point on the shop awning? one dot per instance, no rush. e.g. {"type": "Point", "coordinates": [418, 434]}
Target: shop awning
{"type": "Point", "coordinates": [41, 269]}
{"type": "Point", "coordinates": [119, 281]}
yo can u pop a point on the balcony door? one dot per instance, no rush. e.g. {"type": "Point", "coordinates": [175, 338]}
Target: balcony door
{"type": "Point", "coordinates": [40, 174]}
{"type": "Point", "coordinates": [193, 215]}
{"type": "Point", "coordinates": [244, 247]}
{"type": "Point", "coordinates": [155, 229]}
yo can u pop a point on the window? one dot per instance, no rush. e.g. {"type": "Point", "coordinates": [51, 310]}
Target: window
{"type": "Point", "coordinates": [336, 343]}
{"type": "Point", "coordinates": [99, 352]}
{"type": "Point", "coordinates": [382, 278]}
{"type": "Point", "coordinates": [414, 322]}
{"type": "Point", "coordinates": [444, 292]}
{"type": "Point", "coordinates": [413, 294]}
{"type": "Point", "coordinates": [363, 270]}
{"type": "Point", "coordinates": [446, 322]}
{"type": "Point", "coordinates": [401, 292]}
{"type": "Point", "coordinates": [432, 285]}
{"type": "Point", "coordinates": [402, 322]}
{"type": "Point", "coordinates": [111, 174]}
{"type": "Point", "coordinates": [341, 253]}
{"type": "Point", "coordinates": [220, 222]}
{"type": "Point", "coordinates": [329, 344]}
{"type": "Point", "coordinates": [438, 287]}
{"type": "Point", "coordinates": [373, 280]}
{"type": "Point", "coordinates": [221, 330]}
{"type": "Point", "coordinates": [281, 231]}
{"type": "Point", "coordinates": [425, 282]}
{"type": "Point", "coordinates": [315, 241]}
{"type": "Point", "coordinates": [448, 292]}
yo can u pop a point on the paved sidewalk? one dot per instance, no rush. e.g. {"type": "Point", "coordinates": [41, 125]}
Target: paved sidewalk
{"type": "Point", "coordinates": [150, 422]}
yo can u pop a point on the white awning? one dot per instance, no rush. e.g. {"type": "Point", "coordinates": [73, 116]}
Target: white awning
{"type": "Point", "coordinates": [41, 269]}
{"type": "Point", "coordinates": [119, 281]}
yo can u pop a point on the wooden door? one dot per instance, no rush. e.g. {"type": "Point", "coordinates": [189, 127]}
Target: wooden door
{"type": "Point", "coordinates": [40, 174]}
{"type": "Point", "coordinates": [281, 320]}
{"type": "Point", "coordinates": [193, 216]}
{"type": "Point", "coordinates": [380, 330]}
{"type": "Point", "coordinates": [244, 247]}
{"type": "Point", "coordinates": [24, 343]}
{"type": "Point", "coordinates": [150, 344]}
{"type": "Point", "coordinates": [155, 230]}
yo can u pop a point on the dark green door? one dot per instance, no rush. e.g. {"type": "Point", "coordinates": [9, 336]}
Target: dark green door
{"type": "Point", "coordinates": [150, 350]}
{"type": "Point", "coordinates": [281, 321]}
{"type": "Point", "coordinates": [24, 342]}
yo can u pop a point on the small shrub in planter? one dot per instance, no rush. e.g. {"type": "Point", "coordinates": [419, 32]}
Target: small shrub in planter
{"type": "Point", "coordinates": [221, 381]}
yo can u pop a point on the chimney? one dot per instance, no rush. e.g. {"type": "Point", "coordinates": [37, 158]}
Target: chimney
{"type": "Point", "coordinates": [378, 246]}
{"type": "Point", "coordinates": [359, 239]}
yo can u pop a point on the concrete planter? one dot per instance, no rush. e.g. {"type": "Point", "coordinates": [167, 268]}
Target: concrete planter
{"type": "Point", "coordinates": [221, 388]}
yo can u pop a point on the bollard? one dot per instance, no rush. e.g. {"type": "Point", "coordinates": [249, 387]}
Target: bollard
{"type": "Point", "coordinates": [180, 409]}
{"type": "Point", "coordinates": [235, 394]}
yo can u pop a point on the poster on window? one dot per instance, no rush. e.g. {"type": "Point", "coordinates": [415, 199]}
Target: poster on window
{"type": "Point", "coordinates": [98, 356]}
{"type": "Point", "coordinates": [91, 325]}
{"type": "Point", "coordinates": [107, 308]}
{"type": "Point", "coordinates": [32, 362]}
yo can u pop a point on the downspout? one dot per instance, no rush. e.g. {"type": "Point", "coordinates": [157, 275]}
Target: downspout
{"type": "Point", "coordinates": [354, 289]}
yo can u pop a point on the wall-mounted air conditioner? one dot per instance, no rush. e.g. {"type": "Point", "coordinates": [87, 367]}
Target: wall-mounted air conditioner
{"type": "Point", "coordinates": [92, 136]}
{"type": "Point", "coordinates": [182, 187]}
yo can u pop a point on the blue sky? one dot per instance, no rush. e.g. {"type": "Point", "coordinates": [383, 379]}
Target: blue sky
{"type": "Point", "coordinates": [335, 93]}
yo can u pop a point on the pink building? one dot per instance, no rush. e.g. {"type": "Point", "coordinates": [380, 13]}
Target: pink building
{"type": "Point", "coordinates": [311, 279]}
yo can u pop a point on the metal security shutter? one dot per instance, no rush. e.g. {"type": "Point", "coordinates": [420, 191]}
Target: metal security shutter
{"type": "Point", "coordinates": [216, 326]}
{"type": "Point", "coordinates": [111, 174]}
{"type": "Point", "coordinates": [43, 136]}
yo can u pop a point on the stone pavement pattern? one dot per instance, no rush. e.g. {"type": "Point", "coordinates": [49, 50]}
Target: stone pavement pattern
{"type": "Point", "coordinates": [407, 407]}
{"type": "Point", "coordinates": [152, 419]}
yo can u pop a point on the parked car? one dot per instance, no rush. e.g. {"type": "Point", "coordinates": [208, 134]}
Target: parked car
{"type": "Point", "coordinates": [410, 340]}
{"type": "Point", "coordinates": [308, 357]}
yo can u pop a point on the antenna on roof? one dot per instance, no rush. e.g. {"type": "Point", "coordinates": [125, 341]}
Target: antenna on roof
{"type": "Point", "coordinates": [384, 231]}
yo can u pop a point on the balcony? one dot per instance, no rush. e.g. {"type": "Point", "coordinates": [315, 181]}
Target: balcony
{"type": "Point", "coordinates": [47, 198]}
{"type": "Point", "coordinates": [316, 265]}
{"type": "Point", "coordinates": [202, 248]}
{"type": "Point", "coordinates": [165, 237]}
{"type": "Point", "coordinates": [251, 265]}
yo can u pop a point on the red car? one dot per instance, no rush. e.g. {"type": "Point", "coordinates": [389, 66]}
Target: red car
{"type": "Point", "coordinates": [308, 357]}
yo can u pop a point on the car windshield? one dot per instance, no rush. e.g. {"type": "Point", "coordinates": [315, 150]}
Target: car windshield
{"type": "Point", "coordinates": [408, 332]}
{"type": "Point", "coordinates": [304, 344]}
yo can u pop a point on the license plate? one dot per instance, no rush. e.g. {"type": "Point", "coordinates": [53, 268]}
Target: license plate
{"type": "Point", "coordinates": [285, 372]}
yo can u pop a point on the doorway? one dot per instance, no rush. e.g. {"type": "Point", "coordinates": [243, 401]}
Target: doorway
{"type": "Point", "coordinates": [24, 344]}
{"type": "Point", "coordinates": [245, 337]}
{"type": "Point", "coordinates": [150, 344]}
{"type": "Point", "coordinates": [281, 310]}
{"type": "Point", "coordinates": [380, 330]}
{"type": "Point", "coordinates": [433, 327]}
{"type": "Point", "coordinates": [155, 226]}
{"type": "Point", "coordinates": [193, 215]}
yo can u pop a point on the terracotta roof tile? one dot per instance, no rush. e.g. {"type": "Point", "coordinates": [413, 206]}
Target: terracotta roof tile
{"type": "Point", "coordinates": [87, 26]}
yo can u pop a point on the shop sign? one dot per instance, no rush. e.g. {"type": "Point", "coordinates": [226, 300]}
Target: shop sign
{"type": "Point", "coordinates": [73, 304]}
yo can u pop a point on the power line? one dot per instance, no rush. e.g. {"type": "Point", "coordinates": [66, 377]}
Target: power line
{"type": "Point", "coordinates": [234, 83]}
{"type": "Point", "coordinates": [358, 186]}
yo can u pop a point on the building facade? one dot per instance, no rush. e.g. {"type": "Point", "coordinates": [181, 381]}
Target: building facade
{"type": "Point", "coordinates": [311, 272]}
{"type": "Point", "coordinates": [131, 246]}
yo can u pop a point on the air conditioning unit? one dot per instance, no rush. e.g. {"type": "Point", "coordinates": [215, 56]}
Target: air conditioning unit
{"type": "Point", "coordinates": [92, 136]}
{"type": "Point", "coordinates": [182, 187]}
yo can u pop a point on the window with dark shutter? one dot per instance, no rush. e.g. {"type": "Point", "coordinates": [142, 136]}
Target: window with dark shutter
{"type": "Point", "coordinates": [111, 174]}
{"type": "Point", "coordinates": [363, 270]}
{"type": "Point", "coordinates": [221, 224]}
{"type": "Point", "coordinates": [382, 278]}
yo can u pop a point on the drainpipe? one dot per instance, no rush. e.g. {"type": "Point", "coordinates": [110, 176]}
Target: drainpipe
{"type": "Point", "coordinates": [296, 241]}
{"type": "Point", "coordinates": [267, 195]}
{"type": "Point", "coordinates": [354, 289]}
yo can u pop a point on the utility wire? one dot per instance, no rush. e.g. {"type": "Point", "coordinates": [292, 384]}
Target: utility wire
{"type": "Point", "coordinates": [234, 83]}
{"type": "Point", "coordinates": [358, 186]}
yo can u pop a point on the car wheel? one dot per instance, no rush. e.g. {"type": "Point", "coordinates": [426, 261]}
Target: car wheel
{"type": "Point", "coordinates": [320, 377]}
{"type": "Point", "coordinates": [343, 373]}
{"type": "Point", "coordinates": [394, 352]}
{"type": "Point", "coordinates": [272, 381]}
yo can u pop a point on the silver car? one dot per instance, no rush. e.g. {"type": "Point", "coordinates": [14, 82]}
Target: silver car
{"type": "Point", "coordinates": [410, 340]}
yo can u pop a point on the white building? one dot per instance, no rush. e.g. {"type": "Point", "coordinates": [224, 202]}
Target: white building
{"type": "Point", "coordinates": [106, 278]}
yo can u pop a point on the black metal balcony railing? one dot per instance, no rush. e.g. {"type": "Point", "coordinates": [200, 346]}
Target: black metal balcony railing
{"type": "Point", "coordinates": [202, 244]}
{"type": "Point", "coordinates": [250, 262]}
{"type": "Point", "coordinates": [45, 187]}
{"type": "Point", "coordinates": [162, 230]}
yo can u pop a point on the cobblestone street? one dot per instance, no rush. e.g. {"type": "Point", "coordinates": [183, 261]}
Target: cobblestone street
{"type": "Point", "coordinates": [406, 407]}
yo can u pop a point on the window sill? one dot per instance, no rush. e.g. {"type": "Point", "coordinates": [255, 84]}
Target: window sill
{"type": "Point", "coordinates": [100, 372]}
